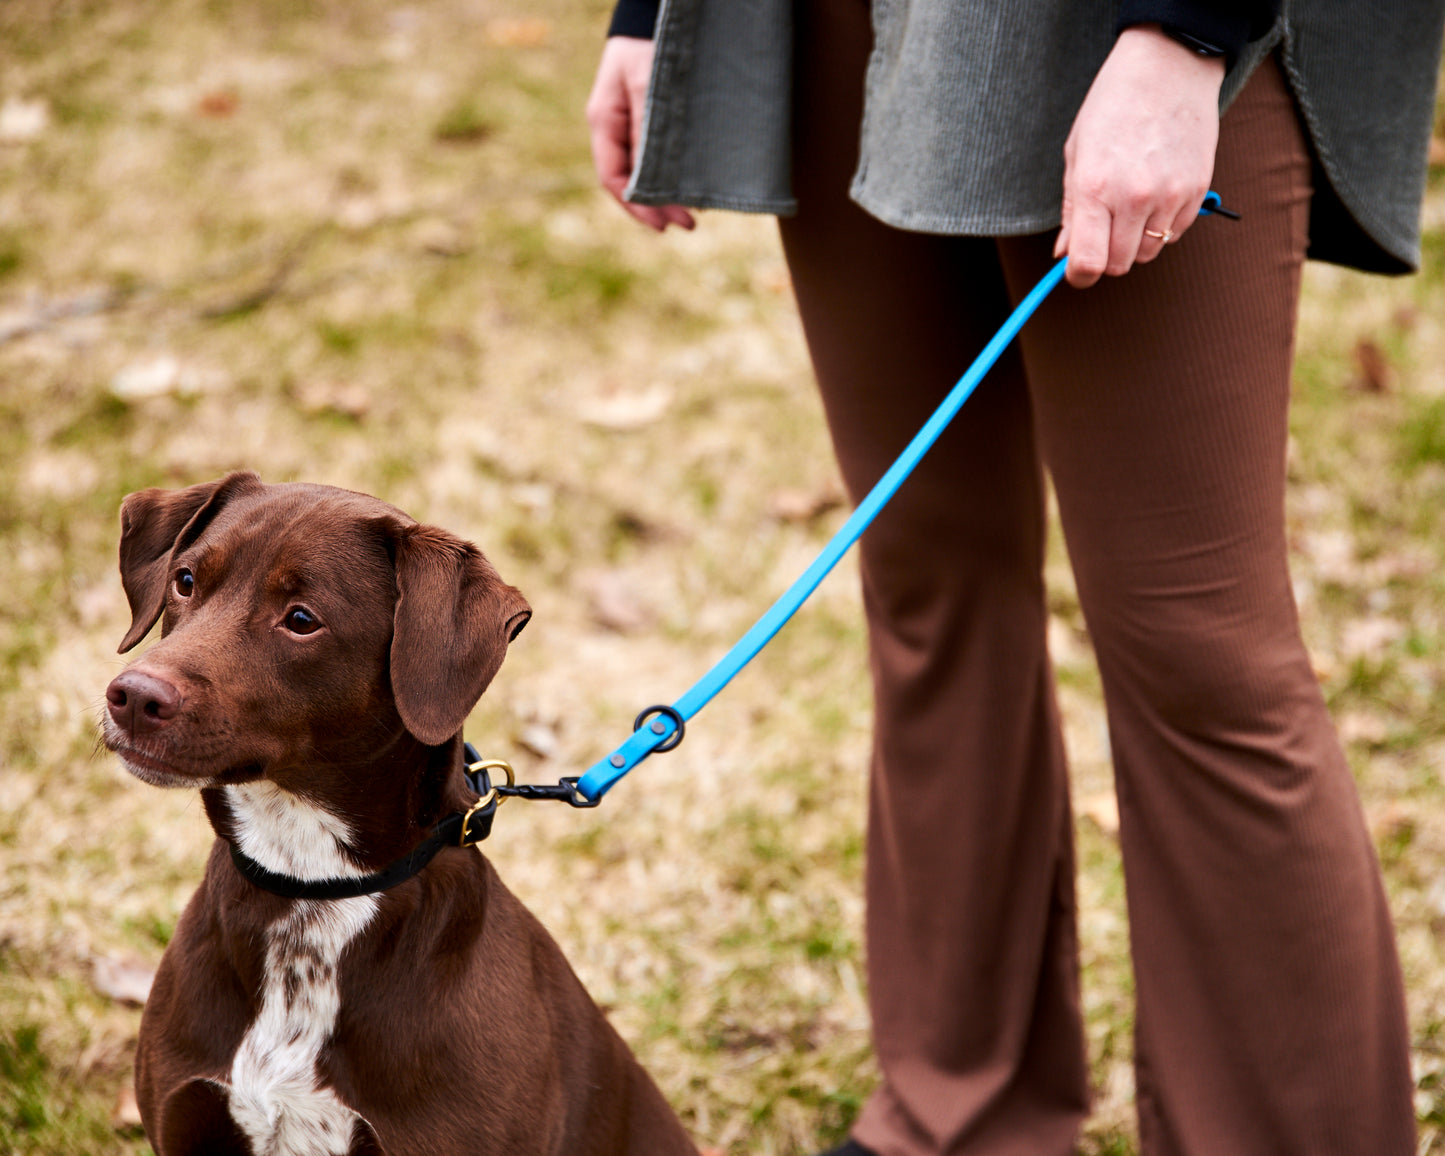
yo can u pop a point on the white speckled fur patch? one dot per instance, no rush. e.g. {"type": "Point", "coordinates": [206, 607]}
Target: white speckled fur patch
{"type": "Point", "coordinates": [276, 1097]}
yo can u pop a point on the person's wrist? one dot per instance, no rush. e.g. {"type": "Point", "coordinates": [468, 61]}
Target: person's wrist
{"type": "Point", "coordinates": [1153, 43]}
{"type": "Point", "coordinates": [1225, 26]}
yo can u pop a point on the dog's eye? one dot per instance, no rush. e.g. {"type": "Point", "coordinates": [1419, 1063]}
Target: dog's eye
{"type": "Point", "coordinates": [299, 620]}
{"type": "Point", "coordinates": [185, 583]}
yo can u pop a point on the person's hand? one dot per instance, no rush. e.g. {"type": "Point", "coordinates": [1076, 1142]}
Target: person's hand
{"type": "Point", "coordinates": [1140, 155]}
{"type": "Point", "coordinates": [614, 114]}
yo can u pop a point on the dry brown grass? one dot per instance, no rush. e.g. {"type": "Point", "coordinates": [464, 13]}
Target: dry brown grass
{"type": "Point", "coordinates": [358, 243]}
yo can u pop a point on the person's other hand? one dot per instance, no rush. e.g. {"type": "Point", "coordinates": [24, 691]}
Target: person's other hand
{"type": "Point", "coordinates": [1140, 155]}
{"type": "Point", "coordinates": [614, 114]}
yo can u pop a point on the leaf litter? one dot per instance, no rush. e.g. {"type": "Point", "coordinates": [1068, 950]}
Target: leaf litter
{"type": "Point", "coordinates": [274, 264]}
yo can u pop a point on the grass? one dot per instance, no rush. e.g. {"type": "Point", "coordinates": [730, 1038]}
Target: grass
{"type": "Point", "coordinates": [360, 244]}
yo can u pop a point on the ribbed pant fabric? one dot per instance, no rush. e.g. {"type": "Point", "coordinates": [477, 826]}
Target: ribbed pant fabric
{"type": "Point", "coordinates": [1270, 1014]}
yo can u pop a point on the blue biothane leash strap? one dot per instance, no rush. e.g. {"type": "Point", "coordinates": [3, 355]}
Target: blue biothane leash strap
{"type": "Point", "coordinates": [660, 728]}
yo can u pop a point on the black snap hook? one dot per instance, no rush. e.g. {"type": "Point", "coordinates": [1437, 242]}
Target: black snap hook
{"type": "Point", "coordinates": [658, 728]}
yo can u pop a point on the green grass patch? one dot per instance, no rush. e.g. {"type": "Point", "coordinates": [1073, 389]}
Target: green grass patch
{"type": "Point", "coordinates": [23, 1069]}
{"type": "Point", "coordinates": [1422, 436]}
{"type": "Point", "coordinates": [399, 208]}
{"type": "Point", "coordinates": [464, 123]}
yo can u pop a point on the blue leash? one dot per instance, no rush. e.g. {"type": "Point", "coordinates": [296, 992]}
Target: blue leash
{"type": "Point", "coordinates": [660, 728]}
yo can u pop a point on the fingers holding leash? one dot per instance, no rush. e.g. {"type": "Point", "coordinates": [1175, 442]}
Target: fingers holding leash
{"type": "Point", "coordinates": [1139, 156]}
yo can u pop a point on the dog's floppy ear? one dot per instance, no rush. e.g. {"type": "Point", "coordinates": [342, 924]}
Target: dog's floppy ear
{"type": "Point", "coordinates": [153, 525]}
{"type": "Point", "coordinates": [454, 618]}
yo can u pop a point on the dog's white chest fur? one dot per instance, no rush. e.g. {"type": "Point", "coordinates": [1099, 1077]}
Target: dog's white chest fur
{"type": "Point", "coordinates": [276, 1096]}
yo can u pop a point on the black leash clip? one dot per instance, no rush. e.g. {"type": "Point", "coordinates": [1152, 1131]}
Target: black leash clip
{"type": "Point", "coordinates": [493, 795]}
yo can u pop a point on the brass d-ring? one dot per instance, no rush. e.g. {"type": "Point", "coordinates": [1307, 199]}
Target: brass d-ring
{"type": "Point", "coordinates": [492, 797]}
{"type": "Point", "coordinates": [493, 765]}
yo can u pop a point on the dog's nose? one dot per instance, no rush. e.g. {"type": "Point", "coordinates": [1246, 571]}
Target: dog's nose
{"type": "Point", "coordinates": [141, 702]}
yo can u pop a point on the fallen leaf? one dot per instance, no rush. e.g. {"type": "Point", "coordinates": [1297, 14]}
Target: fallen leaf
{"type": "Point", "coordinates": [218, 105]}
{"type": "Point", "coordinates": [571, 226]}
{"type": "Point", "coordinates": [1359, 726]}
{"type": "Point", "coordinates": [522, 32]}
{"type": "Point", "coordinates": [442, 238]}
{"type": "Point", "coordinates": [403, 24]}
{"type": "Point", "coordinates": [163, 374]}
{"type": "Point", "coordinates": [1369, 637]}
{"type": "Point", "coordinates": [537, 498]}
{"type": "Point", "coordinates": [358, 213]}
{"type": "Point", "coordinates": [1102, 809]}
{"type": "Point", "coordinates": [125, 1116]}
{"type": "Point", "coordinates": [124, 979]}
{"type": "Point", "coordinates": [772, 278]}
{"type": "Point", "coordinates": [153, 377]}
{"type": "Point", "coordinates": [1391, 823]}
{"type": "Point", "coordinates": [540, 739]}
{"type": "Point", "coordinates": [1376, 372]}
{"type": "Point", "coordinates": [1407, 564]}
{"type": "Point", "coordinates": [614, 601]}
{"type": "Point", "coordinates": [804, 505]}
{"type": "Point", "coordinates": [336, 397]}
{"type": "Point", "coordinates": [1065, 646]}
{"type": "Point", "coordinates": [96, 603]}
{"type": "Point", "coordinates": [61, 473]}
{"type": "Point", "coordinates": [22, 120]}
{"type": "Point", "coordinates": [627, 411]}
{"type": "Point", "coordinates": [1331, 553]}
{"type": "Point", "coordinates": [1406, 317]}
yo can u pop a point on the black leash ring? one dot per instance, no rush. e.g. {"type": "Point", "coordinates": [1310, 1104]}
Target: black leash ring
{"type": "Point", "coordinates": [674, 738]}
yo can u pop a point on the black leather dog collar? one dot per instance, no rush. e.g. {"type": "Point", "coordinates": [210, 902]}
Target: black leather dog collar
{"type": "Point", "coordinates": [459, 829]}
{"type": "Point", "coordinates": [341, 888]}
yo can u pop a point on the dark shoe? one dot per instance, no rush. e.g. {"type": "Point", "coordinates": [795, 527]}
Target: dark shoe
{"type": "Point", "coordinates": [851, 1148]}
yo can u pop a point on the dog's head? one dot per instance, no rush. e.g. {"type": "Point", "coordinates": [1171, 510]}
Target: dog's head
{"type": "Point", "coordinates": [299, 624]}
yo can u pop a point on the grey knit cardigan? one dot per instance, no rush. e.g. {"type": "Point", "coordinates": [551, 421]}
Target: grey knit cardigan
{"type": "Point", "coordinates": [968, 103]}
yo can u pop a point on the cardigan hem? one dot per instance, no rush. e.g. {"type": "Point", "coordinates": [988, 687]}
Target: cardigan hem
{"type": "Point", "coordinates": [1389, 243]}
{"type": "Point", "coordinates": [955, 224]}
{"type": "Point", "coordinates": [694, 199]}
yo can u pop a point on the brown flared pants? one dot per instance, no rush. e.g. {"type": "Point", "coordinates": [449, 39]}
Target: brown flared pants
{"type": "Point", "coordinates": [1270, 1006]}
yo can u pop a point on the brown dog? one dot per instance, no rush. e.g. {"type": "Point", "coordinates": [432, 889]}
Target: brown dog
{"type": "Point", "coordinates": [319, 653]}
